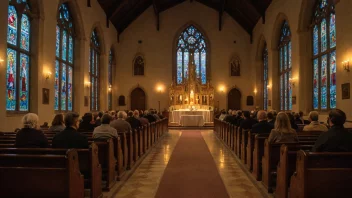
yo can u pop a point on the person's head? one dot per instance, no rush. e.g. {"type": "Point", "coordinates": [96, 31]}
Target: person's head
{"type": "Point", "coordinates": [282, 123]}
{"type": "Point", "coordinates": [121, 115]}
{"type": "Point", "coordinates": [301, 114]}
{"type": "Point", "coordinates": [112, 113]}
{"type": "Point", "coordinates": [270, 116]}
{"type": "Point", "coordinates": [297, 116]}
{"type": "Point", "coordinates": [230, 111]}
{"type": "Point", "coordinates": [130, 114]}
{"type": "Point", "coordinates": [313, 116]}
{"type": "Point", "coordinates": [223, 112]}
{"type": "Point", "coordinates": [337, 117]}
{"type": "Point", "coordinates": [136, 113]}
{"type": "Point", "coordinates": [88, 117]}
{"type": "Point", "coordinates": [106, 119]}
{"type": "Point", "coordinates": [290, 116]}
{"type": "Point", "coordinates": [146, 112]}
{"type": "Point", "coordinates": [239, 113]}
{"type": "Point", "coordinates": [247, 114]}
{"type": "Point", "coordinates": [71, 120]}
{"type": "Point", "coordinates": [30, 120]}
{"type": "Point", "coordinates": [100, 114]}
{"type": "Point", "coordinates": [17, 130]}
{"type": "Point", "coordinates": [58, 120]}
{"type": "Point", "coordinates": [234, 113]}
{"type": "Point", "coordinates": [261, 115]}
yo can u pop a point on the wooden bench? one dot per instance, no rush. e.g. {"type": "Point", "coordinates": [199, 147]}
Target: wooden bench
{"type": "Point", "coordinates": [322, 175]}
{"type": "Point", "coordinates": [243, 146]}
{"type": "Point", "coordinates": [270, 161]}
{"type": "Point", "coordinates": [23, 175]}
{"type": "Point", "coordinates": [287, 166]}
{"type": "Point", "coordinates": [258, 153]}
{"type": "Point", "coordinates": [88, 164]}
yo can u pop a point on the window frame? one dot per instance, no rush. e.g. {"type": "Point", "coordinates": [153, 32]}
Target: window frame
{"type": "Point", "coordinates": [265, 58]}
{"type": "Point", "coordinates": [94, 51]}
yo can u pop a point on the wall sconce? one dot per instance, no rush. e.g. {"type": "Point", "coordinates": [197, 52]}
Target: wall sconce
{"type": "Point", "coordinates": [255, 91]}
{"type": "Point", "coordinates": [109, 88]}
{"type": "Point", "coordinates": [346, 65]}
{"type": "Point", "coordinates": [292, 81]}
{"type": "Point", "coordinates": [47, 75]}
{"type": "Point", "coordinates": [160, 89]}
{"type": "Point", "coordinates": [269, 86]}
{"type": "Point", "coordinates": [87, 84]}
{"type": "Point", "coordinates": [1, 60]}
{"type": "Point", "coordinates": [222, 89]}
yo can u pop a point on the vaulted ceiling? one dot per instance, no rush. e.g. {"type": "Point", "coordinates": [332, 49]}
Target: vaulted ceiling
{"type": "Point", "coordinates": [123, 12]}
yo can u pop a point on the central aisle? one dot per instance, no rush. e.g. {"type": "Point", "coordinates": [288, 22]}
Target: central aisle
{"type": "Point", "coordinates": [188, 164]}
{"type": "Point", "coordinates": [191, 171]}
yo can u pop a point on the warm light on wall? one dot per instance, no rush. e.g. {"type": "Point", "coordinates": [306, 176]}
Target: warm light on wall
{"type": "Point", "coordinates": [292, 81]}
{"type": "Point", "coordinates": [87, 84]}
{"type": "Point", "coordinates": [1, 60]}
{"type": "Point", "coordinates": [255, 91]}
{"type": "Point", "coordinates": [159, 88]}
{"type": "Point", "coordinates": [222, 88]}
{"type": "Point", "coordinates": [269, 86]}
{"type": "Point", "coordinates": [109, 88]}
{"type": "Point", "coordinates": [47, 75]}
{"type": "Point", "coordinates": [346, 65]}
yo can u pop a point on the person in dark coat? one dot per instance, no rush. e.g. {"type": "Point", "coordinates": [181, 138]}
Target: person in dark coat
{"type": "Point", "coordinates": [149, 116]}
{"type": "Point", "coordinates": [29, 136]}
{"type": "Point", "coordinates": [292, 121]}
{"type": "Point", "coordinates": [69, 137]}
{"type": "Point", "coordinates": [337, 138]}
{"type": "Point", "coordinates": [239, 118]}
{"type": "Point", "coordinates": [231, 118]}
{"type": "Point", "coordinates": [263, 126]}
{"type": "Point", "coordinates": [248, 122]}
{"type": "Point", "coordinates": [134, 122]}
{"type": "Point", "coordinates": [87, 123]}
{"type": "Point", "coordinates": [271, 118]}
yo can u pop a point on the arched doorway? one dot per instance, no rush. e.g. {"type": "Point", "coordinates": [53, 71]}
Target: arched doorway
{"type": "Point", "coordinates": [138, 99]}
{"type": "Point", "coordinates": [234, 99]}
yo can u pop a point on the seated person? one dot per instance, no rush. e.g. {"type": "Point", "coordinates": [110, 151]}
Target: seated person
{"type": "Point", "coordinates": [271, 118]}
{"type": "Point", "coordinates": [104, 131]}
{"type": "Point", "coordinates": [282, 131]}
{"type": "Point", "coordinates": [248, 122]}
{"type": "Point", "coordinates": [298, 119]}
{"type": "Point", "coordinates": [314, 123]}
{"type": "Point", "coordinates": [87, 123]}
{"type": "Point", "coordinates": [143, 120]}
{"type": "Point", "coordinates": [263, 126]}
{"type": "Point", "coordinates": [239, 118]}
{"type": "Point", "coordinates": [57, 124]}
{"type": "Point", "coordinates": [121, 125]}
{"type": "Point", "coordinates": [337, 138]}
{"type": "Point", "coordinates": [134, 122]}
{"type": "Point", "coordinates": [223, 115]}
{"type": "Point", "coordinates": [231, 118]}
{"type": "Point", "coordinates": [44, 126]}
{"type": "Point", "coordinates": [292, 121]}
{"type": "Point", "coordinates": [149, 116]}
{"type": "Point", "coordinates": [69, 137]}
{"type": "Point", "coordinates": [97, 118]}
{"type": "Point", "coordinates": [29, 136]}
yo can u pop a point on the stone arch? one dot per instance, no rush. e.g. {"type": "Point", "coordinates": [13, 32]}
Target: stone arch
{"type": "Point", "coordinates": [207, 42]}
{"type": "Point", "coordinates": [260, 47]}
{"type": "Point", "coordinates": [275, 37]}
{"type": "Point", "coordinates": [305, 15]}
{"type": "Point", "coordinates": [145, 94]}
{"type": "Point", "coordinates": [99, 29]}
{"type": "Point", "coordinates": [234, 97]}
{"type": "Point", "coordinates": [138, 55]}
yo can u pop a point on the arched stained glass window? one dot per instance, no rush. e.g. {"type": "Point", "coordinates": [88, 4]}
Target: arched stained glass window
{"type": "Point", "coordinates": [265, 76]}
{"type": "Point", "coordinates": [63, 87]}
{"type": "Point", "coordinates": [285, 67]}
{"type": "Point", "coordinates": [94, 71]}
{"type": "Point", "coordinates": [110, 70]}
{"type": "Point", "coordinates": [324, 56]}
{"type": "Point", "coordinates": [18, 56]}
{"type": "Point", "coordinates": [191, 40]}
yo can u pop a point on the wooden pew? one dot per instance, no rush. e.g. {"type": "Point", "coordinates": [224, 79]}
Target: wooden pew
{"type": "Point", "coordinates": [23, 175]}
{"type": "Point", "coordinates": [124, 149]}
{"type": "Point", "coordinates": [119, 156]}
{"type": "Point", "coordinates": [243, 146]}
{"type": "Point", "coordinates": [258, 153]}
{"type": "Point", "coordinates": [322, 175]}
{"type": "Point", "coordinates": [270, 161]}
{"type": "Point", "coordinates": [287, 166]}
{"type": "Point", "coordinates": [88, 164]}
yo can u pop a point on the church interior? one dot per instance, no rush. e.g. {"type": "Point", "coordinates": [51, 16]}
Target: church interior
{"type": "Point", "coordinates": [175, 98]}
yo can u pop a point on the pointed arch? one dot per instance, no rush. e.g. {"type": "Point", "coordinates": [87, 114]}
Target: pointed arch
{"type": "Point", "coordinates": [138, 65]}
{"type": "Point", "coordinates": [97, 28]}
{"type": "Point", "coordinates": [95, 70]}
{"type": "Point", "coordinates": [179, 70]}
{"type": "Point", "coordinates": [260, 46]}
{"type": "Point", "coordinates": [76, 16]}
{"type": "Point", "coordinates": [276, 33]}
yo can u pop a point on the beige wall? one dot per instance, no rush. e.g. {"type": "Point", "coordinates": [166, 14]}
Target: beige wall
{"type": "Point", "coordinates": [157, 48]}
{"type": "Point", "coordinates": [298, 14]}
{"type": "Point", "coordinates": [43, 58]}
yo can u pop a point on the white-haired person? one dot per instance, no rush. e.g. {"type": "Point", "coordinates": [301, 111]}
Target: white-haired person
{"type": "Point", "coordinates": [314, 123]}
{"type": "Point", "coordinates": [29, 136]}
{"type": "Point", "coordinates": [143, 120]}
{"type": "Point", "coordinates": [121, 125]}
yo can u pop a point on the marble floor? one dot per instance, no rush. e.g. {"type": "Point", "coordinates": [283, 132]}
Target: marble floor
{"type": "Point", "coordinates": [145, 180]}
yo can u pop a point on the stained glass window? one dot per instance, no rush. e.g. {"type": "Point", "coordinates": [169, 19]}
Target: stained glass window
{"type": "Point", "coordinates": [285, 67]}
{"type": "Point", "coordinates": [324, 56]}
{"type": "Point", "coordinates": [94, 71]}
{"type": "Point", "coordinates": [265, 77]}
{"type": "Point", "coordinates": [110, 70]}
{"type": "Point", "coordinates": [64, 60]}
{"type": "Point", "coordinates": [18, 56]}
{"type": "Point", "coordinates": [191, 41]}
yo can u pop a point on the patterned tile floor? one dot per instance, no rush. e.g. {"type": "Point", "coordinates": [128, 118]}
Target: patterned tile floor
{"type": "Point", "coordinates": [145, 180]}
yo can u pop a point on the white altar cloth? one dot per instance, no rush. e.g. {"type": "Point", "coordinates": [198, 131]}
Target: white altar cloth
{"type": "Point", "coordinates": [191, 120]}
{"type": "Point", "coordinates": [176, 115]}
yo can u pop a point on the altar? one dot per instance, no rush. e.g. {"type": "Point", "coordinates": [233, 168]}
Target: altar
{"type": "Point", "coordinates": [185, 117]}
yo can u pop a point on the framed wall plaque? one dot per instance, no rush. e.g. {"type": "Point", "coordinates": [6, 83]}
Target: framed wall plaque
{"type": "Point", "coordinates": [345, 91]}
{"type": "Point", "coordinates": [46, 96]}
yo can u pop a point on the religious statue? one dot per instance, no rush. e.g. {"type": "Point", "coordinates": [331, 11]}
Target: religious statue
{"type": "Point", "coordinates": [235, 67]}
{"type": "Point", "coordinates": [138, 66]}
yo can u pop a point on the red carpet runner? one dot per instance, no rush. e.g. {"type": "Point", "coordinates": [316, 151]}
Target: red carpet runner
{"type": "Point", "coordinates": [191, 171]}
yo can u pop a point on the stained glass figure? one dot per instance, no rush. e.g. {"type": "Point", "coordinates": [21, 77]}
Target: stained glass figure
{"type": "Point", "coordinates": [18, 56]}
{"type": "Point", "coordinates": [324, 56]}
{"type": "Point", "coordinates": [285, 67]}
{"type": "Point", "coordinates": [64, 60]}
{"type": "Point", "coordinates": [94, 71]}
{"type": "Point", "coordinates": [191, 40]}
